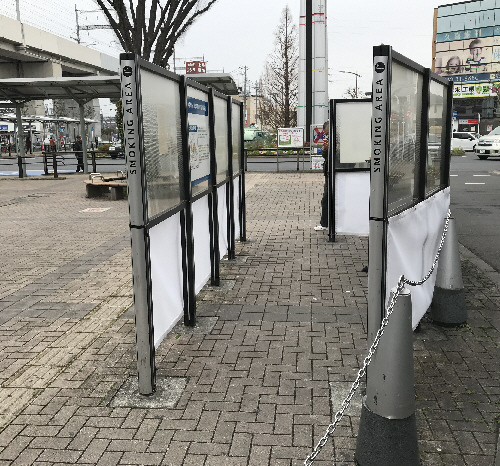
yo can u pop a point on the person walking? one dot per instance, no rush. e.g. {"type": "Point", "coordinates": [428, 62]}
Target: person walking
{"type": "Point", "coordinates": [79, 153]}
{"type": "Point", "coordinates": [323, 225]}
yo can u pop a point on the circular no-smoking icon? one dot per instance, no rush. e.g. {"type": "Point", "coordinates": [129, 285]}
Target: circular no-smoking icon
{"type": "Point", "coordinates": [127, 71]}
{"type": "Point", "coordinates": [379, 67]}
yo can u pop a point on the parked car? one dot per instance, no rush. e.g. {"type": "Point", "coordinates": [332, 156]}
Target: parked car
{"type": "Point", "coordinates": [464, 140]}
{"type": "Point", "coordinates": [489, 145]}
{"type": "Point", "coordinates": [115, 149]}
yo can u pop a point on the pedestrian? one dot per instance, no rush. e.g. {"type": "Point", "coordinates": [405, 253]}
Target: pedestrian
{"type": "Point", "coordinates": [79, 153]}
{"type": "Point", "coordinates": [323, 225]}
{"type": "Point", "coordinates": [52, 143]}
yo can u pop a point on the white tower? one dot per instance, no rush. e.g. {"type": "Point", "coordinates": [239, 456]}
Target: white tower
{"type": "Point", "coordinates": [319, 64]}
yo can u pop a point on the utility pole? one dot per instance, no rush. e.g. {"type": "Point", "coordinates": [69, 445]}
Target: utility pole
{"type": "Point", "coordinates": [77, 26]}
{"type": "Point", "coordinates": [245, 94]}
{"type": "Point", "coordinates": [355, 74]}
{"type": "Point", "coordinates": [90, 26]}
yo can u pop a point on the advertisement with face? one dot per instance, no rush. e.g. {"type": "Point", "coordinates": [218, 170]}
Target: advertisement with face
{"type": "Point", "coordinates": [474, 56]}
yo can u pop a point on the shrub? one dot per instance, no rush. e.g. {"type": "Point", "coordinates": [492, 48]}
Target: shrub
{"type": "Point", "coordinates": [457, 151]}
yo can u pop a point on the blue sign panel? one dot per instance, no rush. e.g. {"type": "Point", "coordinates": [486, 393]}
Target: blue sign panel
{"type": "Point", "coordinates": [197, 106]}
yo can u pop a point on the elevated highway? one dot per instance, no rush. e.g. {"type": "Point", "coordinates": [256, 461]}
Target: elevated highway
{"type": "Point", "coordinates": [29, 52]}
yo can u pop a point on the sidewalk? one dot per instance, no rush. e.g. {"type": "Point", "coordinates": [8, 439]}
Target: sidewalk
{"type": "Point", "coordinates": [276, 348]}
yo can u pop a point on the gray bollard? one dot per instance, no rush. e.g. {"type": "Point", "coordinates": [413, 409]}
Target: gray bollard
{"type": "Point", "coordinates": [387, 433]}
{"type": "Point", "coordinates": [448, 302]}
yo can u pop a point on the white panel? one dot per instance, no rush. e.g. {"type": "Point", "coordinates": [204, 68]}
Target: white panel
{"type": "Point", "coordinates": [222, 214]}
{"type": "Point", "coordinates": [352, 197]}
{"type": "Point", "coordinates": [354, 127]}
{"type": "Point", "coordinates": [166, 276]}
{"type": "Point", "coordinates": [413, 239]}
{"type": "Point", "coordinates": [201, 233]}
{"type": "Point", "coordinates": [236, 184]}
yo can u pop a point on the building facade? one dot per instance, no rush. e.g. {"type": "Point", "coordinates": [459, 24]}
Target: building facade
{"type": "Point", "coordinates": [466, 50]}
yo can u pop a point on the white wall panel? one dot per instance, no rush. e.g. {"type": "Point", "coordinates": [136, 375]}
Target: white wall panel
{"type": "Point", "coordinates": [222, 214]}
{"type": "Point", "coordinates": [352, 198]}
{"type": "Point", "coordinates": [413, 239]}
{"type": "Point", "coordinates": [201, 233]}
{"type": "Point", "coordinates": [166, 276]}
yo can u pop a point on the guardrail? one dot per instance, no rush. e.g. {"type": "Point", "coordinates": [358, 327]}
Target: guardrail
{"type": "Point", "coordinates": [273, 155]}
{"type": "Point", "coordinates": [51, 163]}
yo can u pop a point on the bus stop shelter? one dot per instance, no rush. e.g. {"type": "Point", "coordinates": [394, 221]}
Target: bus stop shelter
{"type": "Point", "coordinates": [16, 92]}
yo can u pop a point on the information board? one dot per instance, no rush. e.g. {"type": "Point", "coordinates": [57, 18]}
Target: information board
{"type": "Point", "coordinates": [290, 137]}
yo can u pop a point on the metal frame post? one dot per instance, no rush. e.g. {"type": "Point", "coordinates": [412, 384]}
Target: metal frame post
{"type": "Point", "coordinates": [20, 143]}
{"type": "Point", "coordinates": [242, 212]}
{"type": "Point", "coordinates": [230, 186]}
{"type": "Point", "coordinates": [332, 168]}
{"type": "Point", "coordinates": [83, 132]}
{"type": "Point", "coordinates": [213, 201]}
{"type": "Point", "coordinates": [421, 173]}
{"type": "Point", "coordinates": [187, 217]}
{"type": "Point", "coordinates": [136, 181]}
{"type": "Point", "coordinates": [381, 107]}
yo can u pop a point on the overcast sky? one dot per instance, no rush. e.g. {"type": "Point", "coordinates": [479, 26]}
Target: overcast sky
{"type": "Point", "coordinates": [238, 33]}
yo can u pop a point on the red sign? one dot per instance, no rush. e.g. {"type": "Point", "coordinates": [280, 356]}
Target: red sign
{"type": "Point", "coordinates": [196, 67]}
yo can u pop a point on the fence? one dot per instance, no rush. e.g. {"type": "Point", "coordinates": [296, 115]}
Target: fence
{"type": "Point", "coordinates": [55, 163]}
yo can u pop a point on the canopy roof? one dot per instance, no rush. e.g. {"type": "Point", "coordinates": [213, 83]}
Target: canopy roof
{"type": "Point", "coordinates": [82, 89]}
{"type": "Point", "coordinates": [222, 82]}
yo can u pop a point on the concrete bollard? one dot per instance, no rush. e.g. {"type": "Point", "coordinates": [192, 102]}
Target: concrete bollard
{"type": "Point", "coordinates": [448, 301]}
{"type": "Point", "coordinates": [387, 433]}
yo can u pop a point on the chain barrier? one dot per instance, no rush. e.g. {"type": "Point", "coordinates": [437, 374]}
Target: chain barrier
{"type": "Point", "coordinates": [366, 362]}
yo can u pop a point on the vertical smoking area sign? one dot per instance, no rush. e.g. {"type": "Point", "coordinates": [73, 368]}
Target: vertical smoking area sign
{"type": "Point", "coordinates": [141, 267]}
{"type": "Point", "coordinates": [378, 211]}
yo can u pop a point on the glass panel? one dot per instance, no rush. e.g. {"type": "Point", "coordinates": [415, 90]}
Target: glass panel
{"type": "Point", "coordinates": [437, 134]}
{"type": "Point", "coordinates": [406, 110]}
{"type": "Point", "coordinates": [443, 24]}
{"type": "Point", "coordinates": [236, 130]}
{"type": "Point", "coordinates": [457, 8]}
{"type": "Point", "coordinates": [221, 136]}
{"type": "Point", "coordinates": [353, 138]}
{"type": "Point", "coordinates": [162, 141]}
{"type": "Point", "coordinates": [457, 22]}
{"type": "Point", "coordinates": [472, 6]}
{"type": "Point", "coordinates": [199, 139]}
{"type": "Point", "coordinates": [488, 18]}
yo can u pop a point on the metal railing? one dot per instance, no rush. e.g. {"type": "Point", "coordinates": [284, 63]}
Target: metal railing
{"type": "Point", "coordinates": [293, 156]}
{"type": "Point", "coordinates": [52, 162]}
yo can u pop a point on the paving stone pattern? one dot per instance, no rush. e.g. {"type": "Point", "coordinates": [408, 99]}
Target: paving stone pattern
{"type": "Point", "coordinates": [262, 372]}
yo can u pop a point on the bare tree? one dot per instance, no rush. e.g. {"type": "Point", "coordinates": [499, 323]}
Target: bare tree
{"type": "Point", "coordinates": [150, 28]}
{"type": "Point", "coordinates": [353, 93]}
{"type": "Point", "coordinates": [278, 104]}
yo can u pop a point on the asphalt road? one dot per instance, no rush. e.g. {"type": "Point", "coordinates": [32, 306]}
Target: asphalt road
{"type": "Point", "coordinates": [475, 205]}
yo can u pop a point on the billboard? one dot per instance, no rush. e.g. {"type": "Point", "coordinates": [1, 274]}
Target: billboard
{"type": "Point", "coordinates": [467, 47]}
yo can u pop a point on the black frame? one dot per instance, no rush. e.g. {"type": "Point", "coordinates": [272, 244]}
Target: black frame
{"type": "Point", "coordinates": [379, 170]}
{"type": "Point", "coordinates": [184, 206]}
{"type": "Point", "coordinates": [332, 163]}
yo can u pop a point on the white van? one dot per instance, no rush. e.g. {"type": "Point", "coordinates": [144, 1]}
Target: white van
{"type": "Point", "coordinates": [464, 140]}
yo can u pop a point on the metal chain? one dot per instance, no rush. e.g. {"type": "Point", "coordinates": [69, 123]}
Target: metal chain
{"type": "Point", "coordinates": [366, 362]}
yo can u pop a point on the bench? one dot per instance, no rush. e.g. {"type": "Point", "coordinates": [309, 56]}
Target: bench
{"type": "Point", "coordinates": [97, 185]}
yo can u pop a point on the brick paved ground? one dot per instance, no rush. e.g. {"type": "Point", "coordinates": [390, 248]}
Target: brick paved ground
{"type": "Point", "coordinates": [264, 371]}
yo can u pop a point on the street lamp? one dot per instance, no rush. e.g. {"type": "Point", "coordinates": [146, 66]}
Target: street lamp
{"type": "Point", "coordinates": [355, 74]}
